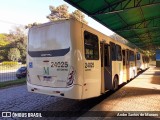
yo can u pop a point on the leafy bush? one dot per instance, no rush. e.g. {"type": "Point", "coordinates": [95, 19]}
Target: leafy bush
{"type": "Point", "coordinates": [9, 63]}
{"type": "Point", "coordinates": [14, 54]}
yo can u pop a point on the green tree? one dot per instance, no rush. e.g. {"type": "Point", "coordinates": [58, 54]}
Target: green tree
{"type": "Point", "coordinates": [17, 38]}
{"type": "Point", "coordinates": [78, 15]}
{"type": "Point", "coordinates": [3, 42]}
{"type": "Point", "coordinates": [3, 54]}
{"type": "Point", "coordinates": [58, 13]}
{"type": "Point", "coordinates": [61, 12]}
{"type": "Point", "coordinates": [31, 25]}
{"type": "Point", "coordinates": [122, 40]}
{"type": "Point", "coordinates": [20, 41]}
{"type": "Point", "coordinates": [14, 54]}
{"type": "Point", "coordinates": [18, 33]}
{"type": "Point", "coordinates": [22, 46]}
{"type": "Point", "coordinates": [118, 38]}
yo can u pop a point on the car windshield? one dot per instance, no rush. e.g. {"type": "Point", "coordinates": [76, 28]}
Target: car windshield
{"type": "Point", "coordinates": [23, 68]}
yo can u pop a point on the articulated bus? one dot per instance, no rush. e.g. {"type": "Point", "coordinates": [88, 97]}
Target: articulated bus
{"type": "Point", "coordinates": [72, 60]}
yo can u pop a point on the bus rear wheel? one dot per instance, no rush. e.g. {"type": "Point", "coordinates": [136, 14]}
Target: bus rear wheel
{"type": "Point", "coordinates": [115, 83]}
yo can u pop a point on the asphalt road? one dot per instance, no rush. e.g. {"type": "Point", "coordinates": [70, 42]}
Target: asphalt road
{"type": "Point", "coordinates": [19, 99]}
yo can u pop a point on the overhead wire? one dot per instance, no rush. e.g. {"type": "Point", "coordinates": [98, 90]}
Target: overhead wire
{"type": "Point", "coordinates": [8, 22]}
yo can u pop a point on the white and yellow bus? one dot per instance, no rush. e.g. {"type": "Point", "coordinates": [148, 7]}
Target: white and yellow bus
{"type": "Point", "coordinates": [72, 60]}
{"type": "Point", "coordinates": [142, 61]}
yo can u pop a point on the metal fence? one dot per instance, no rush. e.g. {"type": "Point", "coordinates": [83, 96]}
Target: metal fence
{"type": "Point", "coordinates": [8, 71]}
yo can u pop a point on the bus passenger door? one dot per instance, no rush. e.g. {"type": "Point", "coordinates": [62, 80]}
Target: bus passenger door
{"type": "Point", "coordinates": [124, 65]}
{"type": "Point", "coordinates": [105, 67]}
{"type": "Point", "coordinates": [127, 65]}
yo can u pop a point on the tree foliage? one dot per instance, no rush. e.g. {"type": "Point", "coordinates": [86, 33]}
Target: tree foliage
{"type": "Point", "coordinates": [14, 54]}
{"type": "Point", "coordinates": [122, 40]}
{"type": "Point", "coordinates": [15, 39]}
{"type": "Point", "coordinates": [78, 15]}
{"type": "Point", "coordinates": [3, 43]}
{"type": "Point", "coordinates": [31, 25]}
{"type": "Point", "coordinates": [3, 40]}
{"type": "Point", "coordinates": [20, 41]}
{"type": "Point", "coordinates": [61, 12]}
{"type": "Point", "coordinates": [118, 38]}
{"type": "Point", "coordinates": [58, 13]}
{"type": "Point", "coordinates": [18, 33]}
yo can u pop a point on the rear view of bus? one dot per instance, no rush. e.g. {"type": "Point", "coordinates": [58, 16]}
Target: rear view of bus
{"type": "Point", "coordinates": [50, 68]}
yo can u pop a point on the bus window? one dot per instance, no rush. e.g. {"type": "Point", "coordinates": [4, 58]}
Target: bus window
{"type": "Point", "coordinates": [119, 53]}
{"type": "Point", "coordinates": [127, 62]}
{"type": "Point", "coordinates": [113, 51]}
{"type": "Point", "coordinates": [91, 46]}
{"type": "Point", "coordinates": [138, 56]}
{"type": "Point", "coordinates": [107, 56]}
{"type": "Point", "coordinates": [101, 48]}
{"type": "Point", "coordinates": [124, 57]}
{"type": "Point", "coordinates": [131, 56]}
{"type": "Point", "coordinates": [135, 59]}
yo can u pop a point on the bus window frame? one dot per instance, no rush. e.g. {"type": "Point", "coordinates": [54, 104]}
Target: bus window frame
{"type": "Point", "coordinates": [113, 55]}
{"type": "Point", "coordinates": [138, 56]}
{"type": "Point", "coordinates": [107, 64]}
{"type": "Point", "coordinates": [102, 53]}
{"type": "Point", "coordinates": [130, 53]}
{"type": "Point", "coordinates": [85, 46]}
{"type": "Point", "coordinates": [124, 57]}
{"type": "Point", "coordinates": [118, 52]}
{"type": "Point", "coordinates": [127, 56]}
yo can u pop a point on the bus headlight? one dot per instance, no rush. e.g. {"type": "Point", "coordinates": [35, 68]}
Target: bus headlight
{"type": "Point", "coordinates": [71, 76]}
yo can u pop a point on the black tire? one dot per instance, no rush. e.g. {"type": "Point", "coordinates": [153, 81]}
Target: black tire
{"type": "Point", "coordinates": [115, 83]}
{"type": "Point", "coordinates": [19, 77]}
{"type": "Point", "coordinates": [128, 81]}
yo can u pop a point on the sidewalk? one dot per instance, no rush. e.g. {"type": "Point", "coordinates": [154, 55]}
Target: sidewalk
{"type": "Point", "coordinates": [141, 94]}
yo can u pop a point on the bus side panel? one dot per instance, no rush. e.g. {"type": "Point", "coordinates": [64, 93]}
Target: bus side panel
{"type": "Point", "coordinates": [142, 64]}
{"type": "Point", "coordinates": [117, 69]}
{"type": "Point", "coordinates": [124, 65]}
{"type": "Point", "coordinates": [92, 81]}
{"type": "Point", "coordinates": [92, 73]}
{"type": "Point", "coordinates": [77, 54]}
{"type": "Point", "coordinates": [132, 69]}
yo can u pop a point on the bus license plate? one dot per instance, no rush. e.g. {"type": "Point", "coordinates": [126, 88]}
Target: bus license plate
{"type": "Point", "coordinates": [47, 78]}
